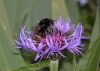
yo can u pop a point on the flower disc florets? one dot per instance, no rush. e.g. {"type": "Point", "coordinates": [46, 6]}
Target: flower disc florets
{"type": "Point", "coordinates": [65, 36]}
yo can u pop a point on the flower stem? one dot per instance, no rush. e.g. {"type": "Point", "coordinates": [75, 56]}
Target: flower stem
{"type": "Point", "coordinates": [74, 62]}
{"type": "Point", "coordinates": [54, 65]}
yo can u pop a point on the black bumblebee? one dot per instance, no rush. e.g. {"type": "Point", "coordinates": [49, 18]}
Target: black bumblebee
{"type": "Point", "coordinates": [43, 27]}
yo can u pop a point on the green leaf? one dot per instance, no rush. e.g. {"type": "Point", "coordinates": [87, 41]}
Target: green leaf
{"type": "Point", "coordinates": [90, 60]}
{"type": "Point", "coordinates": [35, 66]}
{"type": "Point", "coordinates": [72, 6]}
{"type": "Point", "coordinates": [59, 8]}
{"type": "Point", "coordinates": [98, 1]}
{"type": "Point", "coordinates": [19, 22]}
{"type": "Point", "coordinates": [4, 17]}
{"type": "Point", "coordinates": [96, 30]}
{"type": "Point", "coordinates": [9, 57]}
{"type": "Point", "coordinates": [16, 11]}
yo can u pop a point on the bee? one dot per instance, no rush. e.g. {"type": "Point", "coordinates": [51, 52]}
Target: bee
{"type": "Point", "coordinates": [43, 27]}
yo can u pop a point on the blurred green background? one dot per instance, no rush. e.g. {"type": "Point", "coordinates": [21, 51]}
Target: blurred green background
{"type": "Point", "coordinates": [16, 13]}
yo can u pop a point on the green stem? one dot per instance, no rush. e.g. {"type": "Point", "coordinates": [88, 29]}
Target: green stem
{"type": "Point", "coordinates": [74, 62]}
{"type": "Point", "coordinates": [54, 65]}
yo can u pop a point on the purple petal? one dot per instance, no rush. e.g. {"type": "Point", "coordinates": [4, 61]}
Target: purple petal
{"type": "Point", "coordinates": [17, 42]}
{"type": "Point", "coordinates": [17, 47]}
{"type": "Point", "coordinates": [62, 54]}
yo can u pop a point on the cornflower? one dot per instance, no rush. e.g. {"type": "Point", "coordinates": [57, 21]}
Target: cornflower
{"type": "Point", "coordinates": [65, 36]}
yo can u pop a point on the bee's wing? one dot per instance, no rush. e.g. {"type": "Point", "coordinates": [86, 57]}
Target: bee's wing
{"type": "Point", "coordinates": [36, 29]}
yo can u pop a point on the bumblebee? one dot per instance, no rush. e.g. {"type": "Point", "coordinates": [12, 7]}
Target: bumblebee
{"type": "Point", "coordinates": [43, 27]}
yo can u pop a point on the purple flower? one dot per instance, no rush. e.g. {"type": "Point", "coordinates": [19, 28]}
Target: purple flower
{"type": "Point", "coordinates": [55, 47]}
{"type": "Point", "coordinates": [55, 42]}
{"type": "Point", "coordinates": [22, 43]}
{"type": "Point", "coordinates": [63, 26]}
{"type": "Point", "coordinates": [73, 46]}
{"type": "Point", "coordinates": [38, 49]}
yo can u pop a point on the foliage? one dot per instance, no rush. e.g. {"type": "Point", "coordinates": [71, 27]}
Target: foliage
{"type": "Point", "coordinates": [16, 13]}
